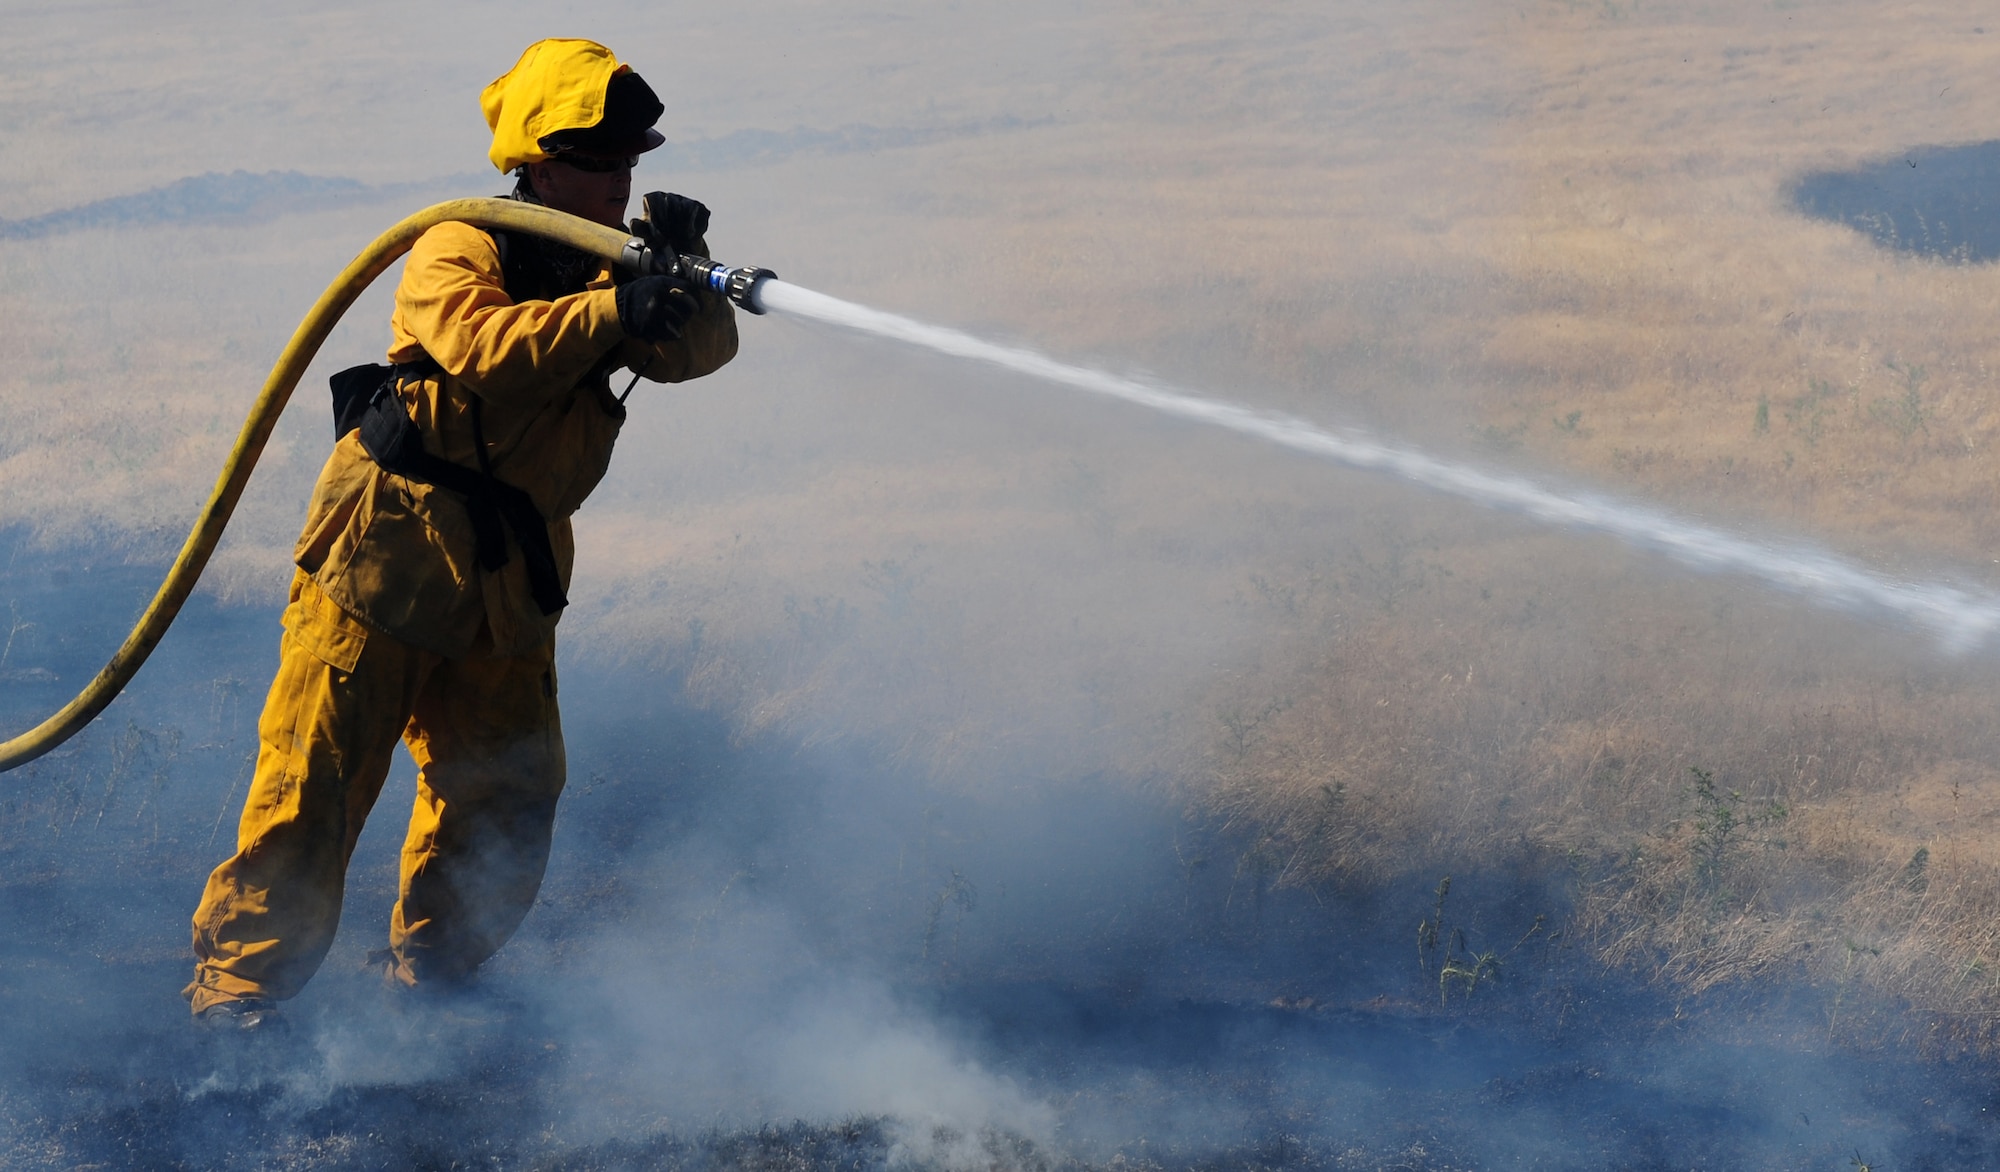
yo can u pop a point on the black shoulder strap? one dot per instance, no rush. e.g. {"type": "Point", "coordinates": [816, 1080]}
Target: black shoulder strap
{"type": "Point", "coordinates": [524, 270]}
{"type": "Point", "coordinates": [353, 389]}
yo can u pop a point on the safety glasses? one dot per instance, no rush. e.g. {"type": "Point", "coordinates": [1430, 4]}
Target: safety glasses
{"type": "Point", "coordinates": [598, 163]}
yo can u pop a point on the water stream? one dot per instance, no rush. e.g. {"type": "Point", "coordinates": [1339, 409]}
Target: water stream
{"type": "Point", "coordinates": [1962, 621]}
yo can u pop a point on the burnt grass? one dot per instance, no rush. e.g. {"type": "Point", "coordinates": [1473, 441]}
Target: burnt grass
{"type": "Point", "coordinates": [1466, 1093]}
{"type": "Point", "coordinates": [1930, 200]}
{"type": "Point", "coordinates": [1109, 958]}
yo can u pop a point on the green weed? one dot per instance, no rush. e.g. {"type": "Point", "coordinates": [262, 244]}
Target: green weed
{"type": "Point", "coordinates": [1808, 413]}
{"type": "Point", "coordinates": [1903, 414]}
{"type": "Point", "coordinates": [1720, 823]}
{"type": "Point", "coordinates": [1495, 438]}
{"type": "Point", "coordinates": [1241, 726]}
{"type": "Point", "coordinates": [1457, 964]}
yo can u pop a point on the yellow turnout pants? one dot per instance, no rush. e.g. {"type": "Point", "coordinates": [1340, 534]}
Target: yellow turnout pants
{"type": "Point", "coordinates": [488, 746]}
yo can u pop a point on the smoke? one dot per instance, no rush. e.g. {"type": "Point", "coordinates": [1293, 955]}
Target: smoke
{"type": "Point", "coordinates": [748, 1025]}
{"type": "Point", "coordinates": [820, 948]}
{"type": "Point", "coordinates": [241, 197]}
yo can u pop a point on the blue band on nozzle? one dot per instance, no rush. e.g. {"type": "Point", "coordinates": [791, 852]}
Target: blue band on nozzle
{"type": "Point", "coordinates": [735, 283]}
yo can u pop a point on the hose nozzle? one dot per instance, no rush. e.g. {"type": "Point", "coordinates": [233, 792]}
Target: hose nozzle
{"type": "Point", "coordinates": [738, 283]}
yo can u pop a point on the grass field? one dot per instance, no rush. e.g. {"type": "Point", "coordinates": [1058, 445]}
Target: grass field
{"type": "Point", "coordinates": [1557, 238]}
{"type": "Point", "coordinates": [1742, 796]}
{"type": "Point", "coordinates": [1561, 239]}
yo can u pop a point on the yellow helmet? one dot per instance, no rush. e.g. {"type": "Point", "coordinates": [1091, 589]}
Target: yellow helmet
{"type": "Point", "coordinates": [566, 94]}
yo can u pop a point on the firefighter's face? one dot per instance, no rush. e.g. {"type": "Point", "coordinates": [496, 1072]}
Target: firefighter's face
{"type": "Point", "coordinates": [594, 187]}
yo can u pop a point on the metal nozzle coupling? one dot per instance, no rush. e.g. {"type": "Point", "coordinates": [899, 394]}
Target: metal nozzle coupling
{"type": "Point", "coordinates": [737, 284]}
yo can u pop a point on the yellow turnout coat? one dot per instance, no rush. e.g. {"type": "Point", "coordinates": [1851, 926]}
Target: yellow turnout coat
{"type": "Point", "coordinates": [395, 631]}
{"type": "Point", "coordinates": [398, 554]}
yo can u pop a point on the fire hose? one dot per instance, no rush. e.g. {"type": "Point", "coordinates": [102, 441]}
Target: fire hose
{"type": "Point", "coordinates": [738, 284]}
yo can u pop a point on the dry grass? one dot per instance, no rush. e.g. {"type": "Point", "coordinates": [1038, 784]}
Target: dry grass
{"type": "Point", "coordinates": [1613, 277]}
{"type": "Point", "coordinates": [1555, 235]}
{"type": "Point", "coordinates": [1724, 821]}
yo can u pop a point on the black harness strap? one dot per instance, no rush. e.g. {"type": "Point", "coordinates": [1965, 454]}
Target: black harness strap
{"type": "Point", "coordinates": [365, 397]}
{"type": "Point", "coordinates": [393, 441]}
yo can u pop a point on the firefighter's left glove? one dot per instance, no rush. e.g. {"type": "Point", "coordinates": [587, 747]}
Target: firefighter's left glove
{"type": "Point", "coordinates": [654, 309]}
{"type": "Point", "coordinates": [672, 220]}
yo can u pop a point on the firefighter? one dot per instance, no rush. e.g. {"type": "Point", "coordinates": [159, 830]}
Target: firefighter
{"type": "Point", "coordinates": [436, 555]}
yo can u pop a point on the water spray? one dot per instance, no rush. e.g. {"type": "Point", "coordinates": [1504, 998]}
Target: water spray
{"type": "Point", "coordinates": [1960, 620]}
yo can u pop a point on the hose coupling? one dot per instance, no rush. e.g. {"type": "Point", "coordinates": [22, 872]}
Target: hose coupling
{"type": "Point", "coordinates": [635, 256]}
{"type": "Point", "coordinates": [739, 284]}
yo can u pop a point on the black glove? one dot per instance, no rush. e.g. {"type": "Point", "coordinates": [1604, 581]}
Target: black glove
{"type": "Point", "coordinates": [672, 223]}
{"type": "Point", "coordinates": [653, 309]}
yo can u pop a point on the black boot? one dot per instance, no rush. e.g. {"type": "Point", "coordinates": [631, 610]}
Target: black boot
{"type": "Point", "coordinates": [243, 1016]}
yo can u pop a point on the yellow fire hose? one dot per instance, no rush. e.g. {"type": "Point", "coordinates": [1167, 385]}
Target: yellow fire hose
{"type": "Point", "coordinates": [613, 244]}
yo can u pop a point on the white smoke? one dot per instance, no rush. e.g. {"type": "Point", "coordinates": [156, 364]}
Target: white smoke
{"type": "Point", "coordinates": [740, 1022]}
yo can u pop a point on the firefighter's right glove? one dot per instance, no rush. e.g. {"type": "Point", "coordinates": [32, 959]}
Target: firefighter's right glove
{"type": "Point", "coordinates": [654, 309]}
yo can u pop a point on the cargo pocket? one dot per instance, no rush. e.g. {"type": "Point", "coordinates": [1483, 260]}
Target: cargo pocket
{"type": "Point", "coordinates": [324, 630]}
